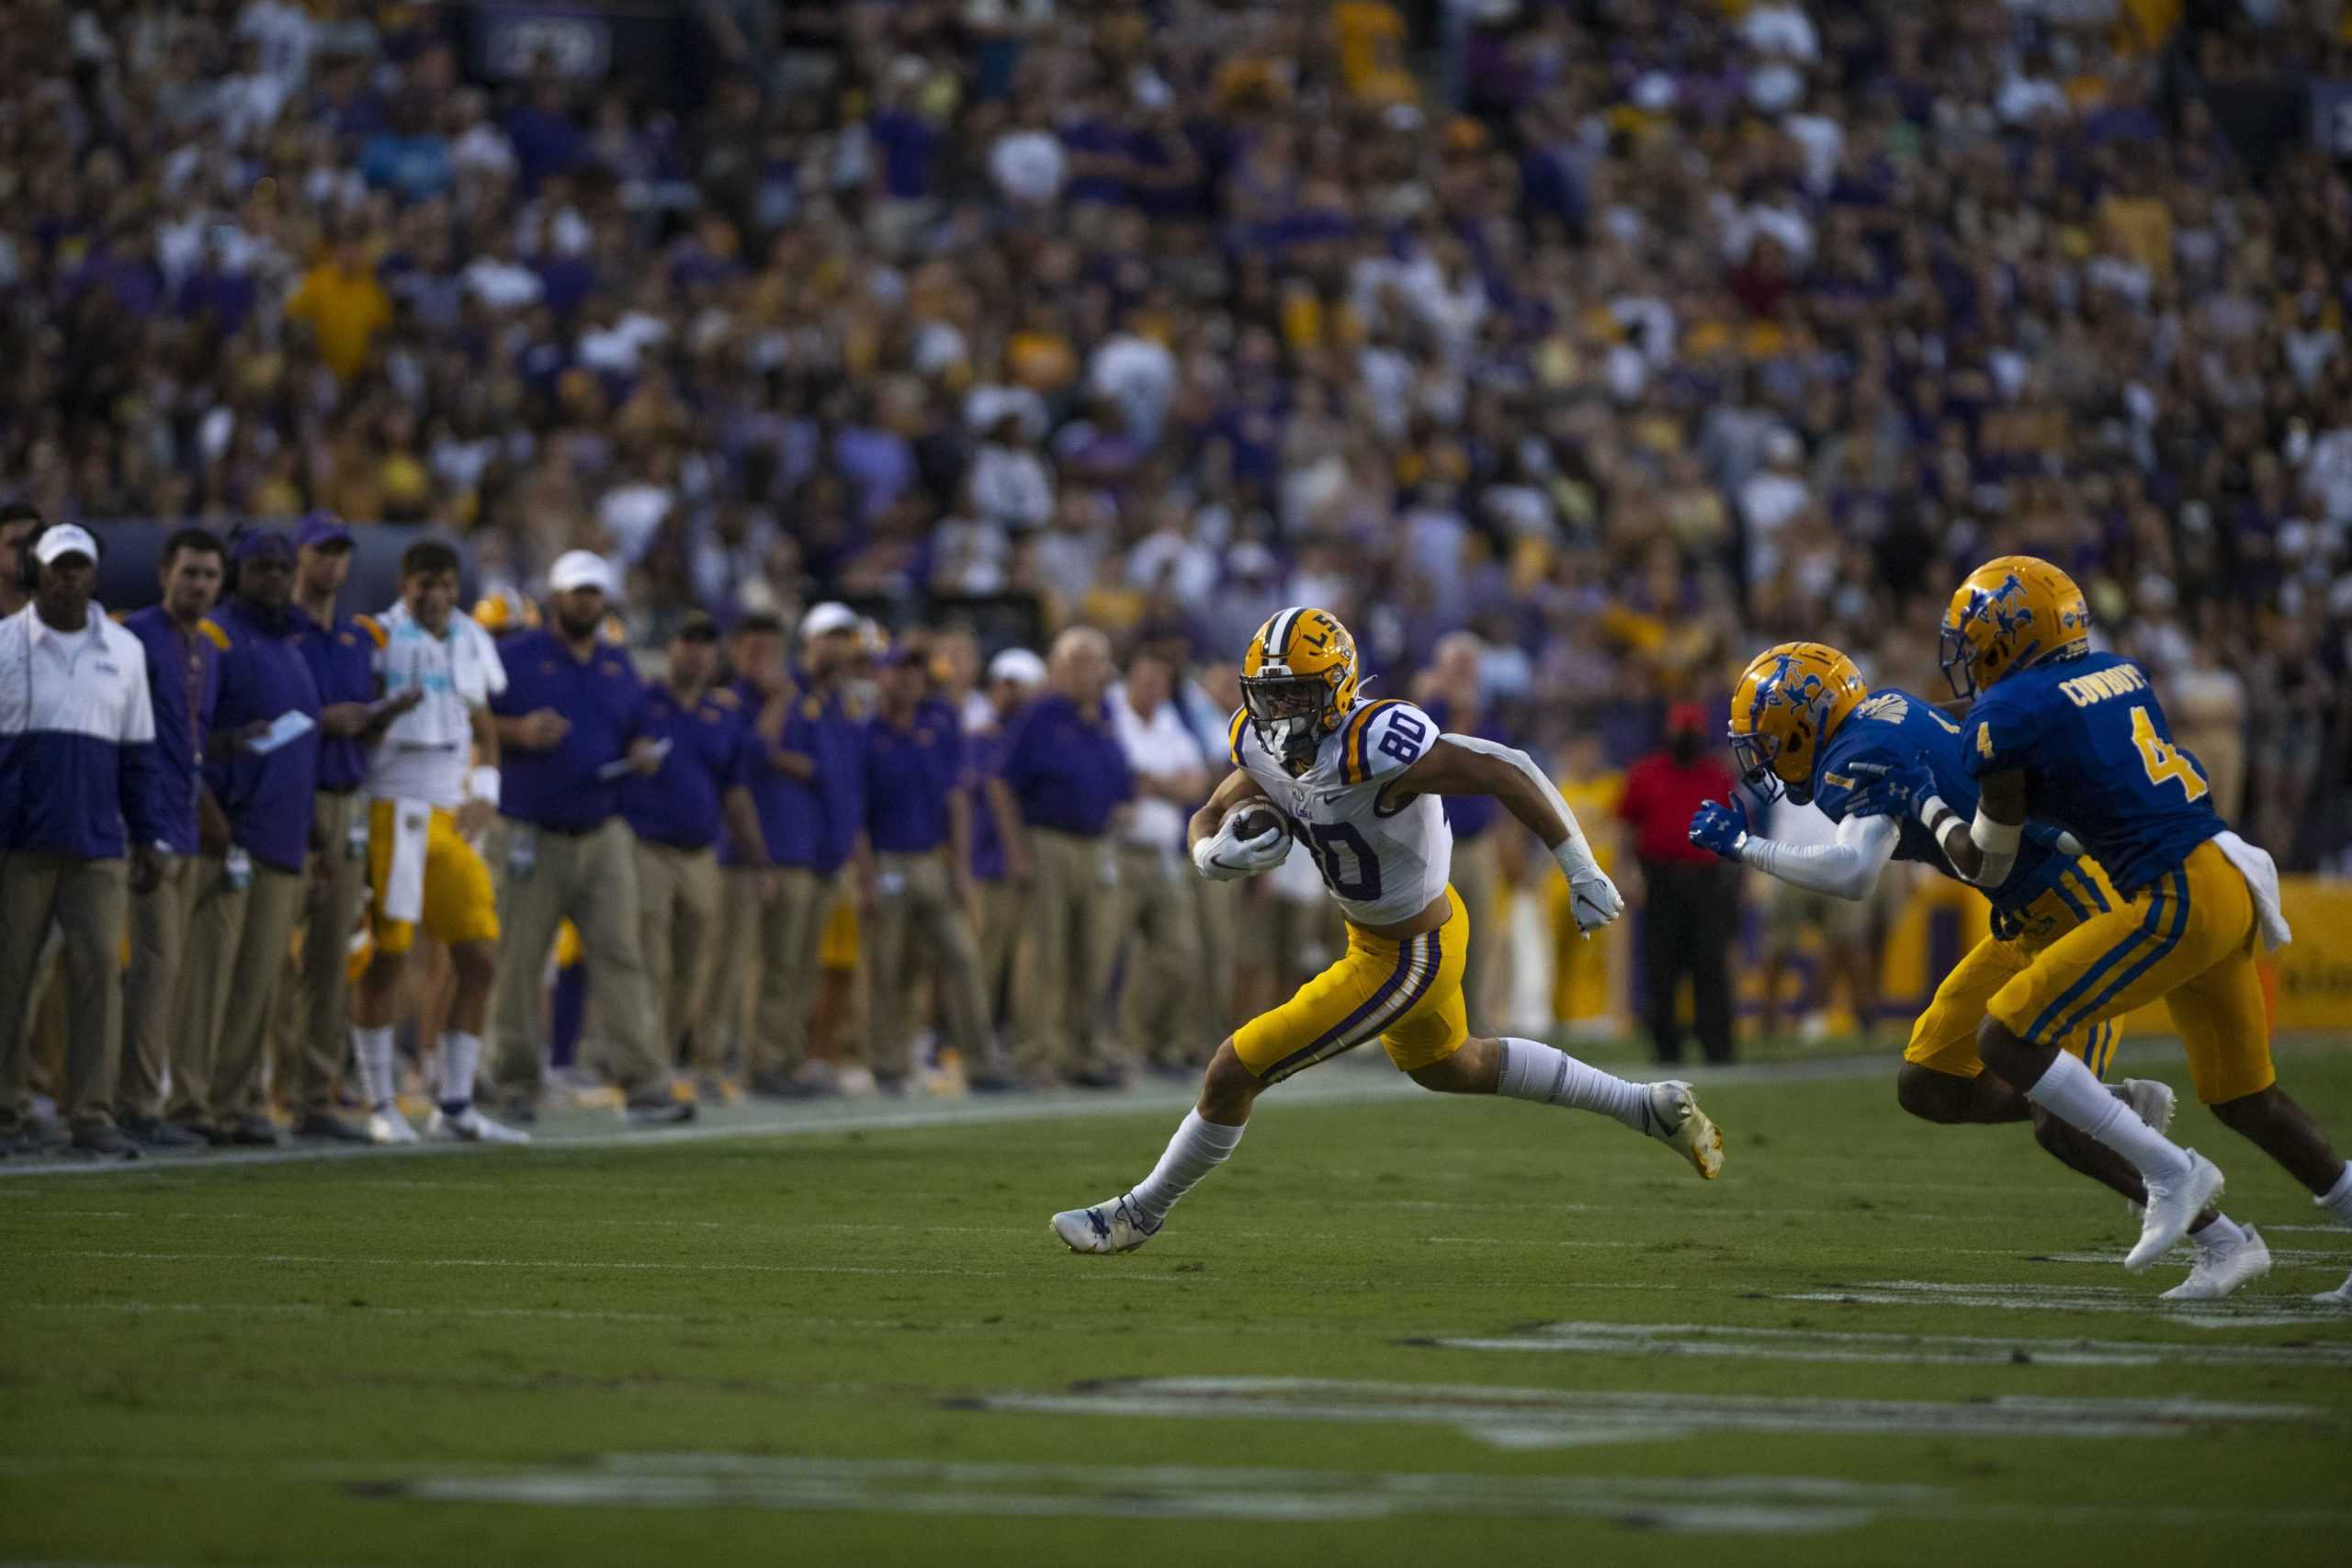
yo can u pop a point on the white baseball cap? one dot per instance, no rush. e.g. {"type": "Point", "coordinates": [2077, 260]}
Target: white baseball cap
{"type": "Point", "coordinates": [580, 568]}
{"type": "Point", "coordinates": [1018, 664]}
{"type": "Point", "coordinates": [826, 618]}
{"type": "Point", "coordinates": [65, 539]}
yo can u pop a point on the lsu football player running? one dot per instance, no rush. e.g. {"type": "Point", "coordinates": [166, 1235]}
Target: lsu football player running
{"type": "Point", "coordinates": [2078, 740]}
{"type": "Point", "coordinates": [1357, 783]}
{"type": "Point", "coordinates": [1805, 728]}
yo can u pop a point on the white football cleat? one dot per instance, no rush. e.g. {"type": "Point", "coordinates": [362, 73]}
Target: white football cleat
{"type": "Point", "coordinates": [1670, 1113]}
{"type": "Point", "coordinates": [387, 1125]}
{"type": "Point", "coordinates": [470, 1126]}
{"type": "Point", "coordinates": [2220, 1269]}
{"type": "Point", "coordinates": [2172, 1208]}
{"type": "Point", "coordinates": [2153, 1103]}
{"type": "Point", "coordinates": [1111, 1226]}
{"type": "Point", "coordinates": [2341, 1296]}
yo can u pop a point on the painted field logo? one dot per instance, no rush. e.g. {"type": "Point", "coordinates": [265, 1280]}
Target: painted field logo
{"type": "Point", "coordinates": [1550, 1417]}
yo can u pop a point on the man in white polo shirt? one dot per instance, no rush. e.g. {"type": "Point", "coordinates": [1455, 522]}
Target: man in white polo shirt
{"type": "Point", "coordinates": [432, 789]}
{"type": "Point", "coordinates": [1160, 915]}
{"type": "Point", "coordinates": [78, 789]}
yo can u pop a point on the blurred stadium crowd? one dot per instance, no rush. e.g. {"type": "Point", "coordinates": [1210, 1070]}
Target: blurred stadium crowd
{"type": "Point", "coordinates": [1630, 337]}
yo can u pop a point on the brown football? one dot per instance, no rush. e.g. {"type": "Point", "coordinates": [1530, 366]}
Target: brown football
{"type": "Point", "coordinates": [1255, 822]}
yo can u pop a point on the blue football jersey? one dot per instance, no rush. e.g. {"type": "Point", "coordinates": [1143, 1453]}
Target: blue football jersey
{"type": "Point", "coordinates": [1891, 728]}
{"type": "Point", "coordinates": [2099, 758]}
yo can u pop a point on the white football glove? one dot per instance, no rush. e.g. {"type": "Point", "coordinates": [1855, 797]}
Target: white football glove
{"type": "Point", "coordinates": [1594, 899]}
{"type": "Point", "coordinates": [1223, 857]}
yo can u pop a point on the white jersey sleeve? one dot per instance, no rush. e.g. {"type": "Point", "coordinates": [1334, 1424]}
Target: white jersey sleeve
{"type": "Point", "coordinates": [1383, 739]}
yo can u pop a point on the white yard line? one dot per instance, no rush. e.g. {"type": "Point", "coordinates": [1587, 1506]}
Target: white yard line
{"type": "Point", "coordinates": [1717, 1341]}
{"type": "Point", "coordinates": [1527, 1418]}
{"type": "Point", "coordinates": [2238, 1312]}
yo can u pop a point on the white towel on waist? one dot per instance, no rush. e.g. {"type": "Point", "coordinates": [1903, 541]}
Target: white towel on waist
{"type": "Point", "coordinates": [2261, 873]}
{"type": "Point", "coordinates": [405, 881]}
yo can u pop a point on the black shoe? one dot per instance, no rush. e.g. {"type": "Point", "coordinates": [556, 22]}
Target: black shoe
{"type": "Point", "coordinates": [892, 1084]}
{"type": "Point", "coordinates": [103, 1140]}
{"type": "Point", "coordinates": [1175, 1072]}
{"type": "Point", "coordinates": [155, 1132]}
{"type": "Point", "coordinates": [519, 1109]}
{"type": "Point", "coordinates": [326, 1124]}
{"type": "Point", "coordinates": [999, 1083]}
{"type": "Point", "coordinates": [252, 1132]}
{"type": "Point", "coordinates": [780, 1086]}
{"type": "Point", "coordinates": [1099, 1078]}
{"type": "Point", "coordinates": [662, 1112]}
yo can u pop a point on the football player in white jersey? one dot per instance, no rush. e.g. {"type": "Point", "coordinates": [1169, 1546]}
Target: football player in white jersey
{"type": "Point", "coordinates": [1358, 784]}
{"type": "Point", "coordinates": [432, 788]}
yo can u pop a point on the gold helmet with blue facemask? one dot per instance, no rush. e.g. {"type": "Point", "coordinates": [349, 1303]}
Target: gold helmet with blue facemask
{"type": "Point", "coordinates": [1299, 681]}
{"type": "Point", "coordinates": [1789, 701]}
{"type": "Point", "coordinates": [2012, 612]}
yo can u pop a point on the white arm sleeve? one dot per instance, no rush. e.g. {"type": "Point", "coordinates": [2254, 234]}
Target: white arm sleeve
{"type": "Point", "coordinates": [1573, 852]}
{"type": "Point", "coordinates": [1998, 842]}
{"type": "Point", "coordinates": [1847, 869]}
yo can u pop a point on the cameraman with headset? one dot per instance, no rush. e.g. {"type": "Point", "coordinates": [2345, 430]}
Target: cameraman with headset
{"type": "Point", "coordinates": [79, 790]}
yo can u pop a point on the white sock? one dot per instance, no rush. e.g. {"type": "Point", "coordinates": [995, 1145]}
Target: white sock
{"type": "Point", "coordinates": [2222, 1231]}
{"type": "Point", "coordinates": [1197, 1148]}
{"type": "Point", "coordinates": [1534, 1071]}
{"type": "Point", "coordinates": [372, 1050]}
{"type": "Point", "coordinates": [2069, 1092]}
{"type": "Point", "coordinates": [460, 1054]}
{"type": "Point", "coordinates": [2338, 1200]}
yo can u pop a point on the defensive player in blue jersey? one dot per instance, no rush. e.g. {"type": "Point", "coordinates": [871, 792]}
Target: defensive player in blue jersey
{"type": "Point", "coordinates": [2078, 740]}
{"type": "Point", "coordinates": [1803, 723]}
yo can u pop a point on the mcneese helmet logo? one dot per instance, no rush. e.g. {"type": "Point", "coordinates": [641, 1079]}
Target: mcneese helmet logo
{"type": "Point", "coordinates": [1299, 678]}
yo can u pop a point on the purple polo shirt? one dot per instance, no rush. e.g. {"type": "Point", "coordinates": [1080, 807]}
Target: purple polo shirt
{"type": "Point", "coordinates": [557, 789]}
{"type": "Point", "coordinates": [709, 754]}
{"type": "Point", "coordinates": [342, 660]}
{"type": "Point", "coordinates": [910, 772]}
{"type": "Point", "coordinates": [1069, 771]}
{"type": "Point", "coordinates": [267, 798]}
{"type": "Point", "coordinates": [183, 684]}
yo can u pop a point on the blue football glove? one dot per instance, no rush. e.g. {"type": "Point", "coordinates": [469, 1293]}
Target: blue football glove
{"type": "Point", "coordinates": [1720, 827]}
{"type": "Point", "coordinates": [1896, 789]}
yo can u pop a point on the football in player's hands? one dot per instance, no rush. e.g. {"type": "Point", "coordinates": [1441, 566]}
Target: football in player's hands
{"type": "Point", "coordinates": [1252, 822]}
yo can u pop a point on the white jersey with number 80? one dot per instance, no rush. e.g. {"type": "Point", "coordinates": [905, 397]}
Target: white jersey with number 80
{"type": "Point", "coordinates": [1380, 866]}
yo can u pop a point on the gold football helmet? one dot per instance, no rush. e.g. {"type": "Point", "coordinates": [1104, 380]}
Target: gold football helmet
{"type": "Point", "coordinates": [1789, 701]}
{"type": "Point", "coordinates": [1299, 681]}
{"type": "Point", "coordinates": [2010, 612]}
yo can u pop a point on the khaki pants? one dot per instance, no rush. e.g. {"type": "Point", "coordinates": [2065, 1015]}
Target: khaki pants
{"type": "Point", "coordinates": [1161, 1013]}
{"type": "Point", "coordinates": [774, 944]}
{"type": "Point", "coordinates": [1001, 905]}
{"type": "Point", "coordinates": [590, 879]}
{"type": "Point", "coordinates": [86, 897]}
{"type": "Point", "coordinates": [155, 1031]}
{"type": "Point", "coordinates": [678, 902]}
{"type": "Point", "coordinates": [918, 906]}
{"type": "Point", "coordinates": [314, 1002]}
{"type": "Point", "coordinates": [236, 958]}
{"type": "Point", "coordinates": [1073, 930]}
{"type": "Point", "coordinates": [1219, 904]}
{"type": "Point", "coordinates": [1478, 881]}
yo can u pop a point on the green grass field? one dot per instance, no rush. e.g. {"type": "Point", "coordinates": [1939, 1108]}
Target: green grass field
{"type": "Point", "coordinates": [1393, 1329]}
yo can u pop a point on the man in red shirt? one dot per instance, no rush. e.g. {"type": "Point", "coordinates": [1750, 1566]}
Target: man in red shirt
{"type": "Point", "coordinates": [1691, 898]}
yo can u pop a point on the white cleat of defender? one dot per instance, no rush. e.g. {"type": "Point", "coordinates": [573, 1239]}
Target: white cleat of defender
{"type": "Point", "coordinates": [1111, 1226]}
{"type": "Point", "coordinates": [2172, 1209]}
{"type": "Point", "coordinates": [470, 1126]}
{"type": "Point", "coordinates": [2341, 1296]}
{"type": "Point", "coordinates": [387, 1125]}
{"type": "Point", "coordinates": [1670, 1113]}
{"type": "Point", "coordinates": [2220, 1269]}
{"type": "Point", "coordinates": [2153, 1103]}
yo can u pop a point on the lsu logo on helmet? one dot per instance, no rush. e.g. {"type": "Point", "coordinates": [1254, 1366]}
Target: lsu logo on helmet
{"type": "Point", "coordinates": [1789, 700]}
{"type": "Point", "coordinates": [1298, 680]}
{"type": "Point", "coordinates": [2012, 612]}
